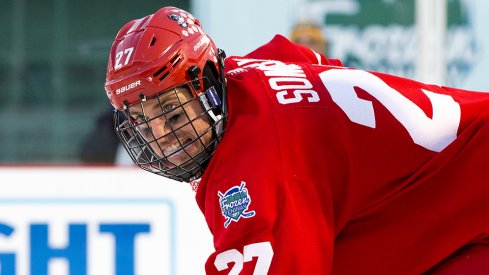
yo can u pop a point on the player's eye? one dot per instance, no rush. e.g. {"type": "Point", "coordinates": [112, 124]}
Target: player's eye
{"type": "Point", "coordinates": [173, 113]}
{"type": "Point", "coordinates": [169, 107]}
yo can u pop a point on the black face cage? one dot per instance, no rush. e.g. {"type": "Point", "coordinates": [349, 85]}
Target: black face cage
{"type": "Point", "coordinates": [141, 147]}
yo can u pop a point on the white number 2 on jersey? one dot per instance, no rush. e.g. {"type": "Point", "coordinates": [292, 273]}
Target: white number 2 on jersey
{"type": "Point", "coordinates": [431, 133]}
{"type": "Point", "coordinates": [263, 251]}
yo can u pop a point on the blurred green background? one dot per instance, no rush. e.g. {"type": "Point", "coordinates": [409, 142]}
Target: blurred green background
{"type": "Point", "coordinates": [53, 59]}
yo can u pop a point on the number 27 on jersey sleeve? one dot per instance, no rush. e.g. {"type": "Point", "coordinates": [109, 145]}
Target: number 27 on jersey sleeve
{"type": "Point", "coordinates": [262, 251]}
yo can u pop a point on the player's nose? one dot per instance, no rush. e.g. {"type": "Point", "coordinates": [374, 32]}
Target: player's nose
{"type": "Point", "coordinates": [160, 128]}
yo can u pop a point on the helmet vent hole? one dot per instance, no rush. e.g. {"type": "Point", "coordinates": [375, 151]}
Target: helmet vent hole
{"type": "Point", "coordinates": [159, 71]}
{"type": "Point", "coordinates": [175, 60]}
{"type": "Point", "coordinates": [153, 40]}
{"type": "Point", "coordinates": [164, 75]}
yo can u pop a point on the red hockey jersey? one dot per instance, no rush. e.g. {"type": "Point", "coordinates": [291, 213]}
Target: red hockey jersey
{"type": "Point", "coordinates": [332, 170]}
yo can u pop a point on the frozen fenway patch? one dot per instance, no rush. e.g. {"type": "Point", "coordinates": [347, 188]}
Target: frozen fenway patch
{"type": "Point", "coordinates": [234, 204]}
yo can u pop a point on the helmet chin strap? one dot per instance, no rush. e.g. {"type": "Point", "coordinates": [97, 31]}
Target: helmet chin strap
{"type": "Point", "coordinates": [217, 120]}
{"type": "Point", "coordinates": [221, 55]}
{"type": "Point", "coordinates": [210, 98]}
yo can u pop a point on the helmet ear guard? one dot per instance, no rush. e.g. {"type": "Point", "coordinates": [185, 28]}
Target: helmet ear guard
{"type": "Point", "coordinates": [213, 97]}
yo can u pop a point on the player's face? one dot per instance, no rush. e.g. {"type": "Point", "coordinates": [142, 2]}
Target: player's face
{"type": "Point", "coordinates": [174, 124]}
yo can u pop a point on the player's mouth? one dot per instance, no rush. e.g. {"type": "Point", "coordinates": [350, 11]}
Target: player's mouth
{"type": "Point", "coordinates": [176, 149]}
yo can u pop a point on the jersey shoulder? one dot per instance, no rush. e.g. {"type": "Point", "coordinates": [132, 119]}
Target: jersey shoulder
{"type": "Point", "coordinates": [282, 49]}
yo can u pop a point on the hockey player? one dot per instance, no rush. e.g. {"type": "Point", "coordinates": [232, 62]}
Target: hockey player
{"type": "Point", "coordinates": [302, 166]}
